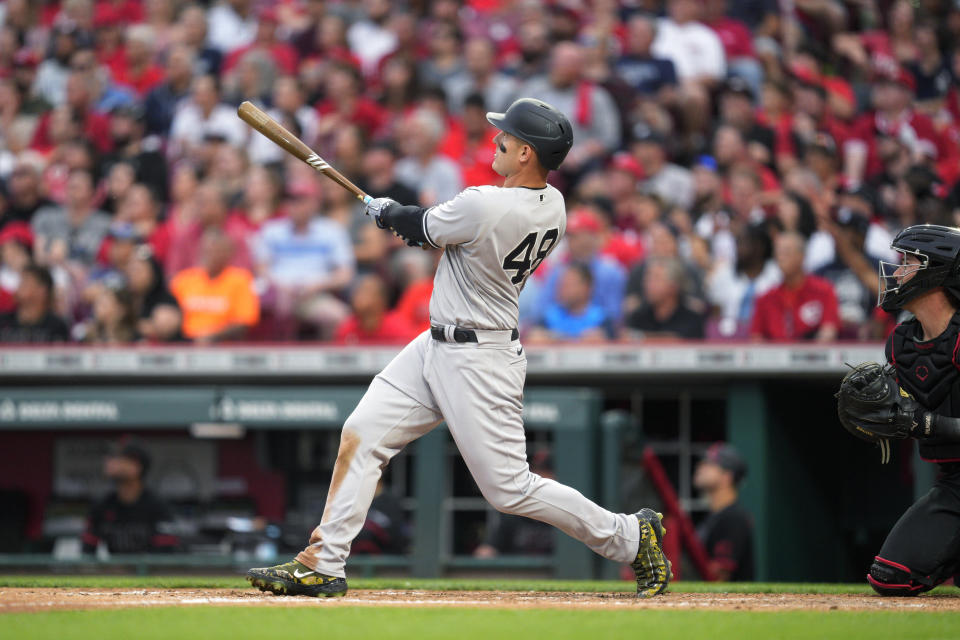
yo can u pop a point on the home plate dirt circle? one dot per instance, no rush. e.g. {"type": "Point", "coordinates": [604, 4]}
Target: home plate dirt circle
{"type": "Point", "coordinates": [47, 599]}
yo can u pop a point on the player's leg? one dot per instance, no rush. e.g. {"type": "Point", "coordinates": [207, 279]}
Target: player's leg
{"type": "Point", "coordinates": [479, 390]}
{"type": "Point", "coordinates": [922, 549]}
{"type": "Point", "coordinates": [386, 419]}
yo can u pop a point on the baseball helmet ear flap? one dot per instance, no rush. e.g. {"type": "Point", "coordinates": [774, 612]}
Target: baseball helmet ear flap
{"type": "Point", "coordinates": [540, 125]}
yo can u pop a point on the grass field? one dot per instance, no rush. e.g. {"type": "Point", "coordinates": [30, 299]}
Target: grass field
{"type": "Point", "coordinates": [608, 616]}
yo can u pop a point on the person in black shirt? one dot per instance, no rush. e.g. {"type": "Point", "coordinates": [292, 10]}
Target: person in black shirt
{"type": "Point", "coordinates": [664, 311]}
{"type": "Point", "coordinates": [727, 533]}
{"type": "Point", "coordinates": [33, 321]}
{"type": "Point", "coordinates": [158, 314]}
{"type": "Point", "coordinates": [131, 518]}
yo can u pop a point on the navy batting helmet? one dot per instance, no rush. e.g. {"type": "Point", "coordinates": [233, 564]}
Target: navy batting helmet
{"type": "Point", "coordinates": [938, 250]}
{"type": "Point", "coordinates": [541, 126]}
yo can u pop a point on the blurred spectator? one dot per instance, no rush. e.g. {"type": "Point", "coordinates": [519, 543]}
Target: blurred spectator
{"type": "Point", "coordinates": [290, 109]}
{"type": "Point", "coordinates": [305, 261]}
{"type": "Point", "coordinates": [33, 321]}
{"type": "Point", "coordinates": [370, 38]}
{"type": "Point", "coordinates": [371, 322]}
{"type": "Point", "coordinates": [163, 100]}
{"type": "Point", "coordinates": [131, 518]}
{"type": "Point", "coordinates": [476, 161]}
{"type": "Point", "coordinates": [26, 195]}
{"type": "Point", "coordinates": [193, 26]}
{"type": "Point", "coordinates": [664, 241]}
{"type": "Point", "coordinates": [16, 244]}
{"type": "Point", "coordinates": [434, 177]}
{"type": "Point", "coordinates": [592, 112]}
{"type": "Point", "coordinates": [156, 311]}
{"type": "Point", "coordinates": [733, 287]}
{"type": "Point", "coordinates": [144, 154]}
{"type": "Point", "coordinates": [697, 55]}
{"type": "Point", "coordinates": [51, 79]}
{"type": "Point", "coordinates": [894, 117]}
{"type": "Point", "coordinates": [727, 533]}
{"type": "Point", "coordinates": [574, 316]}
{"type": "Point", "coordinates": [737, 110]}
{"type": "Point", "coordinates": [74, 231]}
{"type": "Point", "coordinates": [113, 321]}
{"type": "Point", "coordinates": [204, 115]}
{"type": "Point", "coordinates": [854, 271]}
{"type": "Point", "coordinates": [803, 307]}
{"type": "Point", "coordinates": [497, 89]}
{"type": "Point", "coordinates": [742, 62]}
{"type": "Point", "coordinates": [445, 60]}
{"type": "Point", "coordinates": [584, 239]}
{"type": "Point", "coordinates": [218, 300]}
{"type": "Point", "coordinates": [265, 41]}
{"type": "Point", "coordinates": [209, 205]}
{"type": "Point", "coordinates": [647, 74]}
{"type": "Point", "coordinates": [79, 107]}
{"type": "Point", "coordinates": [232, 24]}
{"type": "Point", "coordinates": [344, 103]}
{"type": "Point", "coordinates": [379, 174]}
{"type": "Point", "coordinates": [533, 41]}
{"type": "Point", "coordinates": [137, 69]}
{"type": "Point", "coordinates": [671, 183]}
{"type": "Point", "coordinates": [664, 311]}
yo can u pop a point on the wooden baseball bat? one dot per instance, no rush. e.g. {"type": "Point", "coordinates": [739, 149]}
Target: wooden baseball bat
{"type": "Point", "coordinates": [293, 145]}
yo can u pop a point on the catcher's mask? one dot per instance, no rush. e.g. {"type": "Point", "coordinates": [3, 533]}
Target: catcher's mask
{"type": "Point", "coordinates": [938, 251]}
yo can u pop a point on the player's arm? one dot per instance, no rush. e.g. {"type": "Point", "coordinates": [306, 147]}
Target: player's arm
{"type": "Point", "coordinates": [456, 221]}
{"type": "Point", "coordinates": [407, 221]}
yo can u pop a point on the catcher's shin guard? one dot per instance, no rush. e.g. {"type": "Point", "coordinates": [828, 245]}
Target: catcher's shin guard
{"type": "Point", "coordinates": [889, 578]}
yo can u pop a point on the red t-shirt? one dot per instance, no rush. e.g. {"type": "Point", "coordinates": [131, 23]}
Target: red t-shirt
{"type": "Point", "coordinates": [143, 82]}
{"type": "Point", "coordinates": [392, 330]}
{"type": "Point", "coordinates": [367, 115]}
{"type": "Point", "coordinates": [96, 129]}
{"type": "Point", "coordinates": [414, 304]}
{"type": "Point", "coordinates": [735, 37]}
{"type": "Point", "coordinates": [870, 126]}
{"type": "Point", "coordinates": [795, 314]}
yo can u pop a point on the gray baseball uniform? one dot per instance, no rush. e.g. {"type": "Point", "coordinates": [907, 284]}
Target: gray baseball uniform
{"type": "Point", "coordinates": [493, 239]}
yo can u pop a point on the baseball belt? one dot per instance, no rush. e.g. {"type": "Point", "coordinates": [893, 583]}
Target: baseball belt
{"type": "Point", "coordinates": [449, 333]}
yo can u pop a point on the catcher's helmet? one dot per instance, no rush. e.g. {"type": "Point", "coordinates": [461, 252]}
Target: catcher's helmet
{"type": "Point", "coordinates": [541, 126]}
{"type": "Point", "coordinates": [938, 249]}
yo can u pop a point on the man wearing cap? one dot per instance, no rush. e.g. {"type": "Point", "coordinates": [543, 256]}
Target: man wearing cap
{"type": "Point", "coordinates": [727, 533]}
{"type": "Point", "coordinates": [585, 239]}
{"type": "Point", "coordinates": [895, 117]}
{"type": "Point", "coordinates": [469, 368]}
{"type": "Point", "coordinates": [670, 182]}
{"type": "Point", "coordinates": [131, 518]}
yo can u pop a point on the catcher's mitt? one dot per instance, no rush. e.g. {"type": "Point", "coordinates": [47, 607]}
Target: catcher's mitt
{"type": "Point", "coordinates": [871, 406]}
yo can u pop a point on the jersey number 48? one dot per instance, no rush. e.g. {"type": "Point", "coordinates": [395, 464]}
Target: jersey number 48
{"type": "Point", "coordinates": [529, 263]}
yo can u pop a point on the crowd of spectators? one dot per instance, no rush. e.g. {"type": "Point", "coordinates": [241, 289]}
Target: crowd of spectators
{"type": "Point", "coordinates": [738, 169]}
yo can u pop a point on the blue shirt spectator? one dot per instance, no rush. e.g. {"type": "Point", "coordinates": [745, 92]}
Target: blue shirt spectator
{"type": "Point", "coordinates": [584, 237]}
{"type": "Point", "coordinates": [638, 67]}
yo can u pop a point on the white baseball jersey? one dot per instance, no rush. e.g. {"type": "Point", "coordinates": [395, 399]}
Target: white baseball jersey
{"type": "Point", "coordinates": [495, 237]}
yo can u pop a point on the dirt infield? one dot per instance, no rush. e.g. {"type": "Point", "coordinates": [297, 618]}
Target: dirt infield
{"type": "Point", "coordinates": [36, 599]}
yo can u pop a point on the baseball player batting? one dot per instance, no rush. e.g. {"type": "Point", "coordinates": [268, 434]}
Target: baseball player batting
{"type": "Point", "coordinates": [469, 369]}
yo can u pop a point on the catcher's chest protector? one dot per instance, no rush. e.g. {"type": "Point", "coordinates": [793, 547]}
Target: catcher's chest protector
{"type": "Point", "coordinates": [930, 372]}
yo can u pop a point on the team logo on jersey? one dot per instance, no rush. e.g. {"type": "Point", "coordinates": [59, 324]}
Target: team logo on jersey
{"type": "Point", "coordinates": [921, 372]}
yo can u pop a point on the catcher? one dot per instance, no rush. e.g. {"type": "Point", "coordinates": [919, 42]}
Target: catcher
{"type": "Point", "coordinates": [917, 395]}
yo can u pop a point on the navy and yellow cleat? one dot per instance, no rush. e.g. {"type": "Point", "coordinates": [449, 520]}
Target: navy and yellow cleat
{"type": "Point", "coordinates": [296, 579]}
{"type": "Point", "coordinates": [651, 566]}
